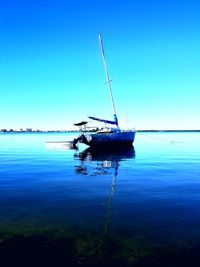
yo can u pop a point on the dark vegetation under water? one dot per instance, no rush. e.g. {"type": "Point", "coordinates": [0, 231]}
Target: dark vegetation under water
{"type": "Point", "coordinates": [71, 248]}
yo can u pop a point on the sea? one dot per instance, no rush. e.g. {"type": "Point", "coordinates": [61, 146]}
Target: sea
{"type": "Point", "coordinates": [80, 207]}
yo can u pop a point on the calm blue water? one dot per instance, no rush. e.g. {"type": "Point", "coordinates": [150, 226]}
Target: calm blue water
{"type": "Point", "coordinates": [143, 199]}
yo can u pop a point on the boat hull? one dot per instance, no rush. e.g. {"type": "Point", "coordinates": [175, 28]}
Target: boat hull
{"type": "Point", "coordinates": [117, 139]}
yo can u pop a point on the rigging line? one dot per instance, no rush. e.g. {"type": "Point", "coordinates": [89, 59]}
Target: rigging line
{"type": "Point", "coordinates": [106, 71]}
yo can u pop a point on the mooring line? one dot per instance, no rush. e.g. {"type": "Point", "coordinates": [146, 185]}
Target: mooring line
{"type": "Point", "coordinates": [171, 141]}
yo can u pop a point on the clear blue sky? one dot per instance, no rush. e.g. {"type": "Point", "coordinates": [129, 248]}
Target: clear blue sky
{"type": "Point", "coordinates": [51, 69]}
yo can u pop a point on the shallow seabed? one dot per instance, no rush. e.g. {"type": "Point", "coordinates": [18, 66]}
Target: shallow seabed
{"type": "Point", "coordinates": [133, 207]}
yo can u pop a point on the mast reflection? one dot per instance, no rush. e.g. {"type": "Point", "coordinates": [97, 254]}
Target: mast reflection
{"type": "Point", "coordinates": [103, 162]}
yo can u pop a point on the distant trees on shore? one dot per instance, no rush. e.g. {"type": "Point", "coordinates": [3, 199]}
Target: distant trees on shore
{"type": "Point", "coordinates": [30, 130]}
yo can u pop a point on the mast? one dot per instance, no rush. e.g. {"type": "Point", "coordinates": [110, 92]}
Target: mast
{"type": "Point", "coordinates": [108, 79]}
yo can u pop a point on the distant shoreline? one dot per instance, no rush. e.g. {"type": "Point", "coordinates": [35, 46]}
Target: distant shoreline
{"type": "Point", "coordinates": [38, 131]}
{"type": "Point", "coordinates": [166, 131]}
{"type": "Point", "coordinates": [4, 131]}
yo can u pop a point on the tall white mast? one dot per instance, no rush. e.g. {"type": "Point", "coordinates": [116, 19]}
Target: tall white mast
{"type": "Point", "coordinates": [108, 79]}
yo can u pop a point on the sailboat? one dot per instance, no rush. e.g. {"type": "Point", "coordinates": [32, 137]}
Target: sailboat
{"type": "Point", "coordinates": [107, 136]}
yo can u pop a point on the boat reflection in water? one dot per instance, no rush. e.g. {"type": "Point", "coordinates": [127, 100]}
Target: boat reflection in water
{"type": "Point", "coordinates": [102, 162]}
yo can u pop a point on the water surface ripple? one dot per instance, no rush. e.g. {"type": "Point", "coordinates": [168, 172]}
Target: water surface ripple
{"type": "Point", "coordinates": [132, 207]}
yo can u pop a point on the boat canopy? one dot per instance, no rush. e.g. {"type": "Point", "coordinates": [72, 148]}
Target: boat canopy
{"type": "Point", "coordinates": [80, 123]}
{"type": "Point", "coordinates": [105, 121]}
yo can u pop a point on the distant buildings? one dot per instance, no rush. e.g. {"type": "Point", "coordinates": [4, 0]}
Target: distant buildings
{"type": "Point", "coordinates": [29, 130]}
